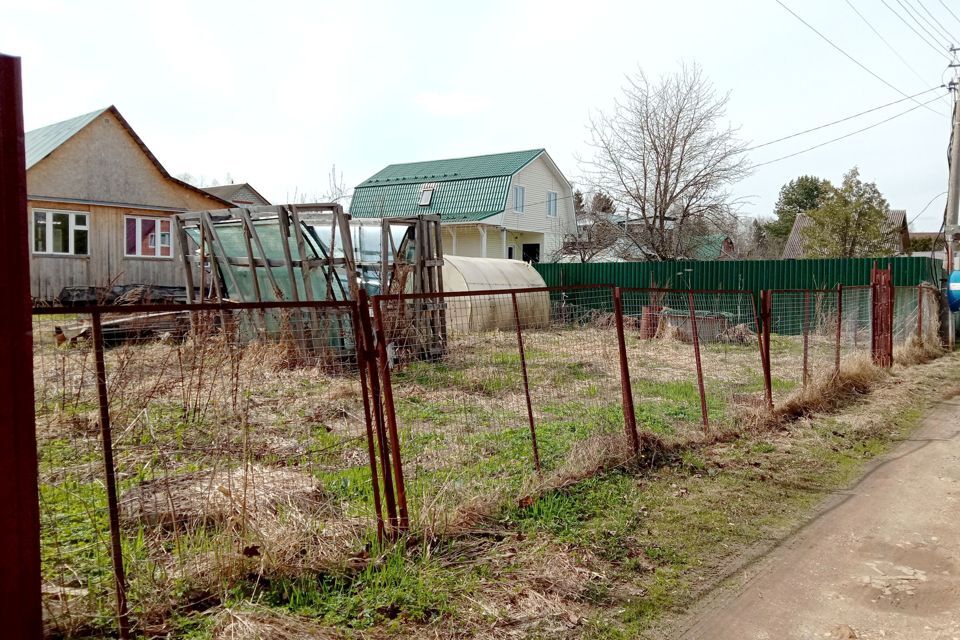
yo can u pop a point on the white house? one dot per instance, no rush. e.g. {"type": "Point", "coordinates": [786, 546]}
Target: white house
{"type": "Point", "coordinates": [507, 205]}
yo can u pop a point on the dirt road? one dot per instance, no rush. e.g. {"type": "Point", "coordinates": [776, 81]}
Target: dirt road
{"type": "Point", "coordinates": [881, 562]}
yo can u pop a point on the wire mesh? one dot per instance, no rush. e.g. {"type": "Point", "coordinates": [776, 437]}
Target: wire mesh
{"type": "Point", "coordinates": [803, 338]}
{"type": "Point", "coordinates": [240, 448]}
{"type": "Point", "coordinates": [517, 392]}
{"type": "Point", "coordinates": [856, 327]}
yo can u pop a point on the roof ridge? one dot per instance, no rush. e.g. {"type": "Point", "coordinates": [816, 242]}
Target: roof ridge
{"type": "Point", "coordinates": [482, 155]}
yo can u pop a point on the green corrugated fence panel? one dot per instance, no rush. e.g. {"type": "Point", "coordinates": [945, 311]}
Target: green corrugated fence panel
{"type": "Point", "coordinates": [750, 275]}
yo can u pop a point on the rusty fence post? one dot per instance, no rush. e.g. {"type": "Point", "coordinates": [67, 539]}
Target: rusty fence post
{"type": "Point", "coordinates": [526, 381]}
{"type": "Point", "coordinates": [383, 364]}
{"type": "Point", "coordinates": [806, 337]}
{"type": "Point", "coordinates": [20, 598]}
{"type": "Point", "coordinates": [362, 349]}
{"type": "Point", "coordinates": [766, 319]}
{"type": "Point", "coordinates": [836, 366]}
{"type": "Point", "coordinates": [920, 312]}
{"type": "Point", "coordinates": [110, 480]}
{"type": "Point", "coordinates": [695, 336]}
{"type": "Point", "coordinates": [629, 416]}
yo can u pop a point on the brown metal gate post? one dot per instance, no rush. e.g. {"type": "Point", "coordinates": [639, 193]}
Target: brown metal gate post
{"type": "Point", "coordinates": [629, 416]}
{"type": "Point", "coordinates": [110, 480]}
{"type": "Point", "coordinates": [361, 346]}
{"type": "Point", "coordinates": [526, 382]}
{"type": "Point", "coordinates": [383, 363]}
{"type": "Point", "coordinates": [696, 354]}
{"type": "Point", "coordinates": [766, 315]}
{"type": "Point", "coordinates": [836, 369]}
{"type": "Point", "coordinates": [20, 600]}
{"type": "Point", "coordinates": [920, 312]}
{"type": "Point", "coordinates": [806, 337]}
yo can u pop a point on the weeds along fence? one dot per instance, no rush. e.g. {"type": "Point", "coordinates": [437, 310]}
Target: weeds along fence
{"type": "Point", "coordinates": [181, 451]}
{"type": "Point", "coordinates": [191, 454]}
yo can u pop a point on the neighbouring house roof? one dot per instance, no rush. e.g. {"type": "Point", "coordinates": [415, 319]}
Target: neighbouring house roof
{"type": "Point", "coordinates": [709, 247]}
{"type": "Point", "coordinates": [240, 193]}
{"type": "Point", "coordinates": [467, 189]}
{"type": "Point", "coordinates": [40, 143]}
{"type": "Point", "coordinates": [794, 247]}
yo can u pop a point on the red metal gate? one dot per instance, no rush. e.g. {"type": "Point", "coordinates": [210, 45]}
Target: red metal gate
{"type": "Point", "coordinates": [881, 282]}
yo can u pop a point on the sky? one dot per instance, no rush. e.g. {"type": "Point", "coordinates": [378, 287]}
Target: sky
{"type": "Point", "coordinates": [275, 93]}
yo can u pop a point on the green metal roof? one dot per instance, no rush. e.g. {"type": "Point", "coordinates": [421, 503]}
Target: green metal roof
{"type": "Point", "coordinates": [708, 247]}
{"type": "Point", "coordinates": [41, 142]}
{"type": "Point", "coordinates": [467, 189]}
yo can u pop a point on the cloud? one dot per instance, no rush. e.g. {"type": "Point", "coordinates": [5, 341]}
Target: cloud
{"type": "Point", "coordinates": [451, 103]}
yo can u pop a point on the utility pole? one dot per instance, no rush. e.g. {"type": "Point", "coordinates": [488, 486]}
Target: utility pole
{"type": "Point", "coordinates": [951, 229]}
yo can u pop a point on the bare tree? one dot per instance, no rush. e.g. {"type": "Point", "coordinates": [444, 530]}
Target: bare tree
{"type": "Point", "coordinates": [597, 229]}
{"type": "Point", "coordinates": [666, 155]}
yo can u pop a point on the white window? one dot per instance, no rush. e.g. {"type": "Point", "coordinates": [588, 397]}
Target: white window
{"type": "Point", "coordinates": [65, 233]}
{"type": "Point", "coordinates": [147, 237]}
{"type": "Point", "coordinates": [552, 204]}
{"type": "Point", "coordinates": [518, 195]}
{"type": "Point", "coordinates": [426, 194]}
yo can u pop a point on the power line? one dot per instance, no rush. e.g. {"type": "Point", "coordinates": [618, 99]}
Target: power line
{"type": "Point", "coordinates": [949, 10]}
{"type": "Point", "coordinates": [848, 56]}
{"type": "Point", "coordinates": [830, 124]}
{"type": "Point", "coordinates": [910, 26]}
{"type": "Point", "coordinates": [852, 133]}
{"type": "Point", "coordinates": [936, 22]}
{"type": "Point", "coordinates": [927, 206]}
{"type": "Point", "coordinates": [884, 40]}
{"type": "Point", "coordinates": [913, 12]}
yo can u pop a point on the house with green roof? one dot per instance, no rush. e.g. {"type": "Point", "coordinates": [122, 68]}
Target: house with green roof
{"type": "Point", "coordinates": [101, 207]}
{"type": "Point", "coordinates": [515, 205]}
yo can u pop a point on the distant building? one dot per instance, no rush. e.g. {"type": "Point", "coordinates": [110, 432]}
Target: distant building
{"type": "Point", "coordinates": [896, 218]}
{"type": "Point", "coordinates": [101, 207]}
{"type": "Point", "coordinates": [240, 194]}
{"type": "Point", "coordinates": [506, 205]}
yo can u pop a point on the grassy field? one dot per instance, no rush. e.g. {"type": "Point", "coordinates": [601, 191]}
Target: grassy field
{"type": "Point", "coordinates": [246, 496]}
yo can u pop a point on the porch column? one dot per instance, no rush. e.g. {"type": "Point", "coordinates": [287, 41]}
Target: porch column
{"type": "Point", "coordinates": [503, 240]}
{"type": "Point", "coordinates": [483, 240]}
{"type": "Point", "coordinates": [453, 238]}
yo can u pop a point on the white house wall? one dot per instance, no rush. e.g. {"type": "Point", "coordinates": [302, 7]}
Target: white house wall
{"type": "Point", "coordinates": [537, 178]}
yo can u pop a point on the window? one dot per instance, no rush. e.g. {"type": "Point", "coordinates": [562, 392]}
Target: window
{"type": "Point", "coordinates": [426, 194]}
{"type": "Point", "coordinates": [552, 204]}
{"type": "Point", "coordinates": [510, 253]}
{"type": "Point", "coordinates": [518, 194]}
{"type": "Point", "coordinates": [148, 237]}
{"type": "Point", "coordinates": [65, 233]}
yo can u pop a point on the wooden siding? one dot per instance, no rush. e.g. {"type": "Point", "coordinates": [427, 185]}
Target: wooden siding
{"type": "Point", "coordinates": [537, 178]}
{"type": "Point", "coordinates": [106, 264]}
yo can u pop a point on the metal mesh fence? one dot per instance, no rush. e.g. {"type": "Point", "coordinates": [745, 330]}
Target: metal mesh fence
{"type": "Point", "coordinates": [510, 393]}
{"type": "Point", "coordinates": [856, 326]}
{"type": "Point", "coordinates": [803, 340]}
{"type": "Point", "coordinates": [239, 448]}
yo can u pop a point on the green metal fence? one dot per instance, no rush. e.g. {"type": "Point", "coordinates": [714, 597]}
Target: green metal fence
{"type": "Point", "coordinates": [751, 275]}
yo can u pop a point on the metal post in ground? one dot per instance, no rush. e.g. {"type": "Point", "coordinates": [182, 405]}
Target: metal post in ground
{"type": "Point", "coordinates": [376, 398]}
{"type": "Point", "coordinates": [363, 357]}
{"type": "Point", "coordinates": [806, 337]}
{"type": "Point", "coordinates": [383, 362]}
{"type": "Point", "coordinates": [695, 336]}
{"type": "Point", "coordinates": [20, 600]}
{"type": "Point", "coordinates": [766, 318]}
{"type": "Point", "coordinates": [629, 416]}
{"type": "Point", "coordinates": [526, 382]}
{"type": "Point", "coordinates": [920, 313]}
{"type": "Point", "coordinates": [110, 479]}
{"type": "Point", "coordinates": [836, 366]}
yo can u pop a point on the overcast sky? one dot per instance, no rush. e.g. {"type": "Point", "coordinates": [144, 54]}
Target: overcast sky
{"type": "Point", "coordinates": [274, 93]}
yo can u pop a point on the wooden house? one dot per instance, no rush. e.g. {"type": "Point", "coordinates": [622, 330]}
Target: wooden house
{"type": "Point", "coordinates": [507, 205]}
{"type": "Point", "coordinates": [101, 207]}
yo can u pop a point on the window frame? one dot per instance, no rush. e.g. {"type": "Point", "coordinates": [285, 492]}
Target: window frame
{"type": "Point", "coordinates": [523, 198]}
{"type": "Point", "coordinates": [72, 228]}
{"type": "Point", "coordinates": [156, 237]}
{"type": "Point", "coordinates": [552, 197]}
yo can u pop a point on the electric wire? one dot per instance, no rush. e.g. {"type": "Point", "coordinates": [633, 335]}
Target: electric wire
{"type": "Point", "coordinates": [917, 33]}
{"type": "Point", "coordinates": [912, 11]}
{"type": "Point", "coordinates": [848, 56]}
{"type": "Point", "coordinates": [847, 135]}
{"type": "Point", "coordinates": [950, 11]}
{"type": "Point", "coordinates": [851, 117]}
{"type": "Point", "coordinates": [949, 36]}
{"type": "Point", "coordinates": [927, 206]}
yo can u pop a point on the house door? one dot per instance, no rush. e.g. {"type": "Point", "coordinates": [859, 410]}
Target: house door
{"type": "Point", "coordinates": [531, 252]}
